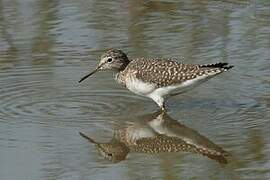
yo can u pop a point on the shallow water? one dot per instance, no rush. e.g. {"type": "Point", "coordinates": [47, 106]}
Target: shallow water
{"type": "Point", "coordinates": [47, 46]}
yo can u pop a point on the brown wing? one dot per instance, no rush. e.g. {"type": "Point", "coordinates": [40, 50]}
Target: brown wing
{"type": "Point", "coordinates": [164, 72]}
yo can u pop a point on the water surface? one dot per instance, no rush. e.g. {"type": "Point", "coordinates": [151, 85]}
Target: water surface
{"type": "Point", "coordinates": [47, 46]}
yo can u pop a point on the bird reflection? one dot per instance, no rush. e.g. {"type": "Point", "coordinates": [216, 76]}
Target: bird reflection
{"type": "Point", "coordinates": [157, 133]}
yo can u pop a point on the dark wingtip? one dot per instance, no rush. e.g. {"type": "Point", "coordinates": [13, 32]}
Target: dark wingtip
{"type": "Point", "coordinates": [218, 65]}
{"type": "Point", "coordinates": [228, 67]}
{"type": "Point", "coordinates": [215, 65]}
{"type": "Point", "coordinates": [221, 158]}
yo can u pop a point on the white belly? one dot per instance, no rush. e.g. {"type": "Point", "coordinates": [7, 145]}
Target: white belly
{"type": "Point", "coordinates": [139, 87]}
{"type": "Point", "coordinates": [158, 94]}
{"type": "Point", "coordinates": [180, 88]}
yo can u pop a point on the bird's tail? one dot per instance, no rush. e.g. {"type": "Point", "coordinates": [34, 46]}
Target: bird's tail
{"type": "Point", "coordinates": [223, 66]}
{"type": "Point", "coordinates": [220, 156]}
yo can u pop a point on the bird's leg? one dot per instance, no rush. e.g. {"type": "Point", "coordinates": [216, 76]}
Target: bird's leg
{"type": "Point", "coordinates": [159, 100]}
{"type": "Point", "coordinates": [163, 110]}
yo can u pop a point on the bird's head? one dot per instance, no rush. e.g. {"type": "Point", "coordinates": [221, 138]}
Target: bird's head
{"type": "Point", "coordinates": [112, 59]}
{"type": "Point", "coordinates": [114, 150]}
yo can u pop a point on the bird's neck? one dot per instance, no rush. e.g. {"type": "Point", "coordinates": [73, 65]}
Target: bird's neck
{"type": "Point", "coordinates": [123, 67]}
{"type": "Point", "coordinates": [119, 75]}
{"type": "Point", "coordinates": [119, 78]}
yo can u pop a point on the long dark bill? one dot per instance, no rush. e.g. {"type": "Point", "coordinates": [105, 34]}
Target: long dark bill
{"type": "Point", "coordinates": [88, 138]}
{"type": "Point", "coordinates": [86, 76]}
{"type": "Point", "coordinates": [92, 141]}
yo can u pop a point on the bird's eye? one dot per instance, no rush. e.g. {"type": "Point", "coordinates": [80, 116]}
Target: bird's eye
{"type": "Point", "coordinates": [110, 154]}
{"type": "Point", "coordinates": [109, 59]}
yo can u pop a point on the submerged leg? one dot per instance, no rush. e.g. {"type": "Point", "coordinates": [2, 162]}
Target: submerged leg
{"type": "Point", "coordinates": [159, 100]}
{"type": "Point", "coordinates": [163, 108]}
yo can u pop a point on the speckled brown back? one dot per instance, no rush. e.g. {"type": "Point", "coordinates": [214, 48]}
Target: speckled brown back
{"type": "Point", "coordinates": [162, 143]}
{"type": "Point", "coordinates": [164, 72]}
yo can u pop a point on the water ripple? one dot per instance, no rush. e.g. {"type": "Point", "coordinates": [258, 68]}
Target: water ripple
{"type": "Point", "coordinates": [33, 94]}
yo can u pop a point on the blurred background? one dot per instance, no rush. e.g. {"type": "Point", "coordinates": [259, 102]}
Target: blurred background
{"type": "Point", "coordinates": [46, 46]}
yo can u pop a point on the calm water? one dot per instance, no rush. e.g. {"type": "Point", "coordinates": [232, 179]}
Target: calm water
{"type": "Point", "coordinates": [47, 46]}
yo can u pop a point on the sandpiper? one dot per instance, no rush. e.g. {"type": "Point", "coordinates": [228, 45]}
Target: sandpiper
{"type": "Point", "coordinates": [157, 133]}
{"type": "Point", "coordinates": [156, 78]}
